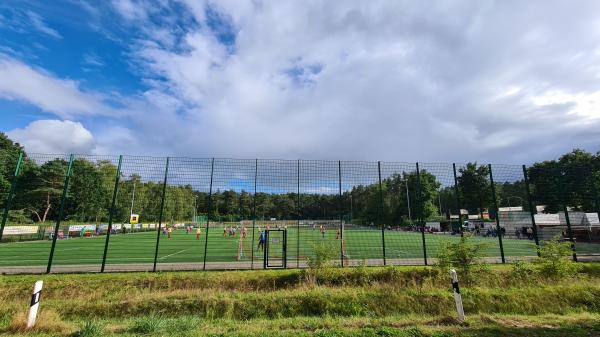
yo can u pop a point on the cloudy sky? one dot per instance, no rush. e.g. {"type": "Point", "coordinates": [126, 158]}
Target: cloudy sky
{"type": "Point", "coordinates": [500, 81]}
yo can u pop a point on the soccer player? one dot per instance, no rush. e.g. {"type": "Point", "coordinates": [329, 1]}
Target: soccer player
{"type": "Point", "coordinates": [169, 232]}
{"type": "Point", "coordinates": [224, 231]}
{"type": "Point", "coordinates": [244, 232]}
{"type": "Point", "coordinates": [198, 232]}
{"type": "Point", "coordinates": [322, 231]}
{"type": "Point", "coordinates": [261, 240]}
{"type": "Point", "coordinates": [337, 234]}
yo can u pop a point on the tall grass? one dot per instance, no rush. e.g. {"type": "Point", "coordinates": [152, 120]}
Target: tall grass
{"type": "Point", "coordinates": [279, 294]}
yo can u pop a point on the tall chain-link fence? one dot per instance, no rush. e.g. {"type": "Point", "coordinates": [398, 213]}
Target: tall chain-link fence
{"type": "Point", "coordinates": [73, 213]}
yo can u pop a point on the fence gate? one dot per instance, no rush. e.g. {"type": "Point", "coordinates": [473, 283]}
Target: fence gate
{"type": "Point", "coordinates": [275, 249]}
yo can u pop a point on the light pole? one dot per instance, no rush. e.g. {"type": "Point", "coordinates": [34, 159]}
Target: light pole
{"type": "Point", "coordinates": [351, 209]}
{"type": "Point", "coordinates": [195, 203]}
{"type": "Point", "coordinates": [407, 199]}
{"type": "Point", "coordinates": [132, 199]}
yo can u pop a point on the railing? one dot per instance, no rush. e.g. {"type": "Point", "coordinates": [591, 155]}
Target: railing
{"type": "Point", "coordinates": [66, 213]}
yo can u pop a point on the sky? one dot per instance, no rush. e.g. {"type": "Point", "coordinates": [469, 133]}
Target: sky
{"type": "Point", "coordinates": [433, 81]}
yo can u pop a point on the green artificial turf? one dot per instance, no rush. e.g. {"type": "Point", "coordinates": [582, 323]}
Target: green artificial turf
{"type": "Point", "coordinates": [361, 244]}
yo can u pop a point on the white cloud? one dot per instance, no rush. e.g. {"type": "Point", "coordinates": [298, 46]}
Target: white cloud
{"type": "Point", "coordinates": [62, 97]}
{"type": "Point", "coordinates": [38, 23]}
{"type": "Point", "coordinates": [92, 59]}
{"type": "Point", "coordinates": [379, 80]}
{"type": "Point", "coordinates": [54, 136]}
{"type": "Point", "coordinates": [130, 9]}
{"type": "Point", "coordinates": [398, 80]}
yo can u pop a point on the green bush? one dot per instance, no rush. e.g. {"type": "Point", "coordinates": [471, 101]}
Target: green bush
{"type": "Point", "coordinates": [521, 270]}
{"type": "Point", "coordinates": [324, 253]}
{"type": "Point", "coordinates": [464, 256]}
{"type": "Point", "coordinates": [320, 262]}
{"type": "Point", "coordinates": [555, 259]}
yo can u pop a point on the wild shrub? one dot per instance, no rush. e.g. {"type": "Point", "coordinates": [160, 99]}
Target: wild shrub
{"type": "Point", "coordinates": [361, 274]}
{"type": "Point", "coordinates": [464, 255]}
{"type": "Point", "coordinates": [90, 329]}
{"type": "Point", "coordinates": [324, 253]}
{"type": "Point", "coordinates": [521, 271]}
{"type": "Point", "coordinates": [555, 259]}
{"type": "Point", "coordinates": [183, 324]}
{"type": "Point", "coordinates": [148, 324]}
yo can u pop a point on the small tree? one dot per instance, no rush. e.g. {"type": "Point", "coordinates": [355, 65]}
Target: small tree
{"type": "Point", "coordinates": [324, 253]}
{"type": "Point", "coordinates": [463, 255]}
{"type": "Point", "coordinates": [555, 259]}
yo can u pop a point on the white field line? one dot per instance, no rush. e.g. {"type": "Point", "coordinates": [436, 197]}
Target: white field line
{"type": "Point", "coordinates": [181, 251]}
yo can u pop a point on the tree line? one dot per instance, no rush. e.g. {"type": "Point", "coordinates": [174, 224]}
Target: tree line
{"type": "Point", "coordinates": [401, 199]}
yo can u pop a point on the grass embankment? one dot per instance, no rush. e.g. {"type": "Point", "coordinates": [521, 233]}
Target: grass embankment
{"type": "Point", "coordinates": [403, 301]}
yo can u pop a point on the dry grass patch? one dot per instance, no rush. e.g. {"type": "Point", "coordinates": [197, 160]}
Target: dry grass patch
{"type": "Point", "coordinates": [48, 321]}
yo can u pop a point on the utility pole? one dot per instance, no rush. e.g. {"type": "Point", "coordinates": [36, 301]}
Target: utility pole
{"type": "Point", "coordinates": [132, 199]}
{"type": "Point", "coordinates": [407, 199]}
{"type": "Point", "coordinates": [195, 207]}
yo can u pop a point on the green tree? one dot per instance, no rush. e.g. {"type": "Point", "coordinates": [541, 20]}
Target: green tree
{"type": "Point", "coordinates": [9, 154]}
{"type": "Point", "coordinates": [86, 198]}
{"type": "Point", "coordinates": [474, 186]}
{"type": "Point", "coordinates": [40, 189]}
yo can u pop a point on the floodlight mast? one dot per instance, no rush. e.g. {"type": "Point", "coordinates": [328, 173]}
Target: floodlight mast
{"type": "Point", "coordinates": [132, 200]}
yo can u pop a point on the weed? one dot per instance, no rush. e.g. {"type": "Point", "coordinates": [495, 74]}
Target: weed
{"type": "Point", "coordinates": [90, 329]}
{"type": "Point", "coordinates": [149, 324]}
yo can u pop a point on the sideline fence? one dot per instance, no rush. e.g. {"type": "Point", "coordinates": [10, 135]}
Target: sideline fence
{"type": "Point", "coordinates": [67, 213]}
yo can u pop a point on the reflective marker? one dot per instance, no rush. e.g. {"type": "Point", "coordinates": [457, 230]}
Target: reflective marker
{"type": "Point", "coordinates": [457, 296]}
{"type": "Point", "coordinates": [35, 303]}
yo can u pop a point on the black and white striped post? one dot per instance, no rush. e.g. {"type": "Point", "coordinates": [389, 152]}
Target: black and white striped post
{"type": "Point", "coordinates": [35, 304]}
{"type": "Point", "coordinates": [457, 296]}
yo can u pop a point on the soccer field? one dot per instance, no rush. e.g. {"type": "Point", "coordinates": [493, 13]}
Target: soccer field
{"type": "Point", "coordinates": [139, 248]}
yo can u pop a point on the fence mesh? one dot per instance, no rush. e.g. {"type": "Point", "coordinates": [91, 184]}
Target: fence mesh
{"type": "Point", "coordinates": [320, 208]}
{"type": "Point", "coordinates": [362, 240]}
{"type": "Point", "coordinates": [401, 219]}
{"type": "Point", "coordinates": [186, 213]}
{"type": "Point", "coordinates": [140, 192]}
{"type": "Point", "coordinates": [231, 178]}
{"type": "Point", "coordinates": [514, 213]}
{"type": "Point", "coordinates": [183, 227]}
{"type": "Point", "coordinates": [86, 210]}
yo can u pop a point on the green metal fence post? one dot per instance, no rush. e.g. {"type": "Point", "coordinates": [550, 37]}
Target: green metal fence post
{"type": "Point", "coordinates": [457, 194]}
{"type": "Point", "coordinates": [532, 210]}
{"type": "Point", "coordinates": [253, 215]}
{"type": "Point", "coordinates": [11, 194]}
{"type": "Point", "coordinates": [380, 213]}
{"type": "Point", "coordinates": [160, 216]}
{"type": "Point", "coordinates": [111, 213]}
{"type": "Point", "coordinates": [341, 214]}
{"type": "Point", "coordinates": [563, 192]}
{"type": "Point", "coordinates": [298, 224]}
{"type": "Point", "coordinates": [60, 212]}
{"type": "Point", "coordinates": [497, 213]}
{"type": "Point", "coordinates": [595, 192]}
{"type": "Point", "coordinates": [570, 231]}
{"type": "Point", "coordinates": [212, 170]}
{"type": "Point", "coordinates": [421, 203]}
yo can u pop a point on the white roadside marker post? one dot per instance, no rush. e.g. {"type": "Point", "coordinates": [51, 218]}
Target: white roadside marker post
{"type": "Point", "coordinates": [35, 303]}
{"type": "Point", "coordinates": [457, 296]}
